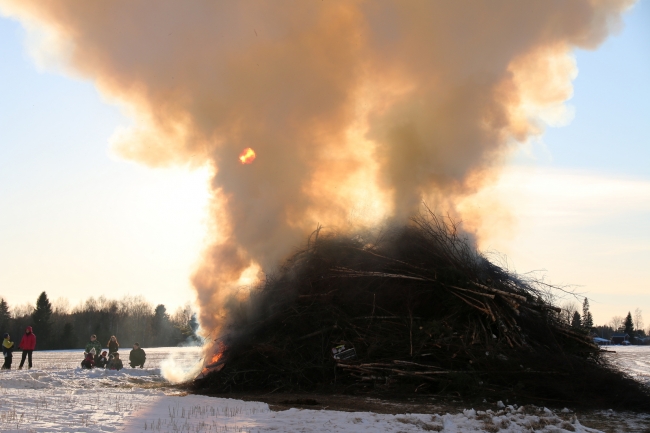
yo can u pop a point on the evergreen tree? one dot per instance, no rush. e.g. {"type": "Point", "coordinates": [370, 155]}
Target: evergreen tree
{"type": "Point", "coordinates": [68, 338]}
{"type": "Point", "coordinates": [4, 316]}
{"type": "Point", "coordinates": [194, 324]}
{"type": "Point", "coordinates": [587, 319]}
{"type": "Point", "coordinates": [190, 330]}
{"type": "Point", "coordinates": [629, 325]}
{"type": "Point", "coordinates": [576, 322]}
{"type": "Point", "coordinates": [162, 326]}
{"type": "Point", "coordinates": [41, 320]}
{"type": "Point", "coordinates": [160, 315]}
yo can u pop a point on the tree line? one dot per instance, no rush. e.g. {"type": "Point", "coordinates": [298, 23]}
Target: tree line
{"type": "Point", "coordinates": [632, 325]}
{"type": "Point", "coordinates": [131, 319]}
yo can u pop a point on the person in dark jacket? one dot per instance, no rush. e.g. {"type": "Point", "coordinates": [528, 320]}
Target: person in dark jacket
{"type": "Point", "coordinates": [115, 363]}
{"type": "Point", "coordinates": [113, 345]}
{"type": "Point", "coordinates": [102, 360]}
{"type": "Point", "coordinates": [7, 351]}
{"type": "Point", "coordinates": [89, 360]}
{"type": "Point", "coordinates": [137, 356]}
{"type": "Point", "coordinates": [27, 344]}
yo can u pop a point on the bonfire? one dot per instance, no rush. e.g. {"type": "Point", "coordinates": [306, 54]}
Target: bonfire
{"type": "Point", "coordinates": [415, 309]}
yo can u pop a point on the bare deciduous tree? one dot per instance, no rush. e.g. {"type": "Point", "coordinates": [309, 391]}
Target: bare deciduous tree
{"type": "Point", "coordinates": [61, 306]}
{"type": "Point", "coordinates": [638, 319]}
{"type": "Point", "coordinates": [20, 311]}
{"type": "Point", "coordinates": [617, 322]}
{"type": "Point", "coordinates": [132, 319]}
{"type": "Point", "coordinates": [183, 314]}
{"type": "Point", "coordinates": [568, 310]}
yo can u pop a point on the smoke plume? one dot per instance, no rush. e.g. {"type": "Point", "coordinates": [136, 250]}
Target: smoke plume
{"type": "Point", "coordinates": [356, 110]}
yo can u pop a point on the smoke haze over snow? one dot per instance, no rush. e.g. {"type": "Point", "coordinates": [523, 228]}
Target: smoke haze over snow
{"type": "Point", "coordinates": [357, 111]}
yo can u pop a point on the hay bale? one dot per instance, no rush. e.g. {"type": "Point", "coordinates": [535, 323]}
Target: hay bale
{"type": "Point", "coordinates": [423, 311]}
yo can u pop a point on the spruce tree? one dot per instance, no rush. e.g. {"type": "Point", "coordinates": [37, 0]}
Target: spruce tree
{"type": "Point", "coordinates": [193, 327]}
{"type": "Point", "coordinates": [587, 319]}
{"type": "Point", "coordinates": [629, 325]}
{"type": "Point", "coordinates": [4, 316]}
{"type": "Point", "coordinates": [162, 326]}
{"type": "Point", "coordinates": [41, 320]}
{"type": "Point", "coordinates": [68, 338]}
{"type": "Point", "coordinates": [576, 322]}
{"type": "Point", "coordinates": [588, 322]}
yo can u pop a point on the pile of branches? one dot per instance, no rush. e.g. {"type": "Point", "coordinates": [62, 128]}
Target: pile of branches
{"type": "Point", "coordinates": [414, 309]}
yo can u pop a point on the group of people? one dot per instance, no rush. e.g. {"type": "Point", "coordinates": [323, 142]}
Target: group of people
{"type": "Point", "coordinates": [94, 356]}
{"type": "Point", "coordinates": [27, 345]}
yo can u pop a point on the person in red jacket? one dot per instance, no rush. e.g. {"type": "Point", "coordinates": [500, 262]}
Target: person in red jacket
{"type": "Point", "coordinates": [27, 344]}
{"type": "Point", "coordinates": [89, 360]}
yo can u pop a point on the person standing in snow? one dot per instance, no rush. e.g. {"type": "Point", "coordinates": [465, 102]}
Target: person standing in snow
{"type": "Point", "coordinates": [113, 345]}
{"type": "Point", "coordinates": [115, 363]}
{"type": "Point", "coordinates": [7, 349]}
{"type": "Point", "coordinates": [27, 344]}
{"type": "Point", "coordinates": [137, 356]}
{"type": "Point", "coordinates": [95, 345]}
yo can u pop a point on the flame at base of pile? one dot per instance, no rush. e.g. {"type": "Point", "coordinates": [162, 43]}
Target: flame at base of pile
{"type": "Point", "coordinates": [216, 363]}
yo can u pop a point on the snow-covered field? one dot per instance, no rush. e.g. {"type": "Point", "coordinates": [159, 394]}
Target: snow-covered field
{"type": "Point", "coordinates": [56, 395]}
{"type": "Point", "coordinates": [632, 359]}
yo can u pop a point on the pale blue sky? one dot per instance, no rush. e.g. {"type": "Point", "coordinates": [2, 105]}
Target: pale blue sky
{"type": "Point", "coordinates": [76, 222]}
{"type": "Point", "coordinates": [610, 131]}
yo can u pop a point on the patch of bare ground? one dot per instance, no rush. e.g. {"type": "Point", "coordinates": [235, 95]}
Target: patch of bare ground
{"type": "Point", "coordinates": [346, 403]}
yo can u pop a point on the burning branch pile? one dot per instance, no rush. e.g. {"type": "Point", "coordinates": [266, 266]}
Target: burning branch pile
{"type": "Point", "coordinates": [414, 309]}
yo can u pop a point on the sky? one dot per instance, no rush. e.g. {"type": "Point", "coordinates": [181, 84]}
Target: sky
{"type": "Point", "coordinates": [77, 221]}
{"type": "Point", "coordinates": [580, 198]}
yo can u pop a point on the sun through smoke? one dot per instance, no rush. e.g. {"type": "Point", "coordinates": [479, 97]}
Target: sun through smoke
{"type": "Point", "coordinates": [247, 156]}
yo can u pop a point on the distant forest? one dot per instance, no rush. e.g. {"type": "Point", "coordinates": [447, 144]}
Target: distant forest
{"type": "Point", "coordinates": [131, 319]}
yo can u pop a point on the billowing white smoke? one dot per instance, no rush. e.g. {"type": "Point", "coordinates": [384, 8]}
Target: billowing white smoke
{"type": "Point", "coordinates": [357, 110]}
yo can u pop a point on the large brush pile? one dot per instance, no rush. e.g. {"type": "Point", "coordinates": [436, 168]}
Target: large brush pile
{"type": "Point", "coordinates": [423, 311]}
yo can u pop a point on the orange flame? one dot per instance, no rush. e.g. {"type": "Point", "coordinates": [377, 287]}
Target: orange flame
{"type": "Point", "coordinates": [212, 365]}
{"type": "Point", "coordinates": [247, 156]}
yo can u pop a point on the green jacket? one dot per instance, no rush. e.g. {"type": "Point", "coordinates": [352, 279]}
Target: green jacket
{"type": "Point", "coordinates": [94, 345]}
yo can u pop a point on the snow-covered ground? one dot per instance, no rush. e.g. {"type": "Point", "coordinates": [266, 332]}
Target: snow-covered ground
{"type": "Point", "coordinates": [56, 395]}
{"type": "Point", "coordinates": [632, 359]}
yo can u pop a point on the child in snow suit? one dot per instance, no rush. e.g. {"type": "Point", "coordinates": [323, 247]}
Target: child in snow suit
{"type": "Point", "coordinates": [102, 360]}
{"type": "Point", "coordinates": [115, 363]}
{"type": "Point", "coordinates": [89, 360]}
{"type": "Point", "coordinates": [7, 348]}
{"type": "Point", "coordinates": [27, 344]}
{"type": "Point", "coordinates": [137, 356]}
